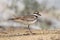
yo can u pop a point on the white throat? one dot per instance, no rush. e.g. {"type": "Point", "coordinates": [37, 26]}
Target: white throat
{"type": "Point", "coordinates": [35, 14]}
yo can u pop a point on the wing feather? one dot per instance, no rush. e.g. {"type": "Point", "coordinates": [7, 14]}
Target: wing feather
{"type": "Point", "coordinates": [25, 18]}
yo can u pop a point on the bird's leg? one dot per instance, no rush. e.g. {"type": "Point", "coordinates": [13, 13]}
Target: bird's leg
{"type": "Point", "coordinates": [29, 29]}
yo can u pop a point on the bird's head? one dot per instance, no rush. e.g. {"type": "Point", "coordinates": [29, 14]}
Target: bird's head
{"type": "Point", "coordinates": [36, 13]}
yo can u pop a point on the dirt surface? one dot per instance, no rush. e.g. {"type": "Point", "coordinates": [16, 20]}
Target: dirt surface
{"type": "Point", "coordinates": [24, 34]}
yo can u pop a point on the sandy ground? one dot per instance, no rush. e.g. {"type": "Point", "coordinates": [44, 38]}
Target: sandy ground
{"type": "Point", "coordinates": [24, 34]}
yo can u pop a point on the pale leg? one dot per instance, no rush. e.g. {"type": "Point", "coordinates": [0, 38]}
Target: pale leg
{"type": "Point", "coordinates": [29, 29]}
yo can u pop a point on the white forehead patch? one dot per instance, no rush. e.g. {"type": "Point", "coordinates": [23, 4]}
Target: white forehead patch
{"type": "Point", "coordinates": [36, 12]}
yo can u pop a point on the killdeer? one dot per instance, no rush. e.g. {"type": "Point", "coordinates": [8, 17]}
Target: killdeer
{"type": "Point", "coordinates": [28, 20]}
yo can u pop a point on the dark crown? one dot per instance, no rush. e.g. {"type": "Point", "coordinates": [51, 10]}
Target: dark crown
{"type": "Point", "coordinates": [36, 12]}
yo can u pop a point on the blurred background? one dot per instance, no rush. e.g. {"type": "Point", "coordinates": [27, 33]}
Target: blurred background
{"type": "Point", "coordinates": [49, 9]}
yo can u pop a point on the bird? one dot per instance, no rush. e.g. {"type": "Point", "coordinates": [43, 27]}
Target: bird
{"type": "Point", "coordinates": [27, 19]}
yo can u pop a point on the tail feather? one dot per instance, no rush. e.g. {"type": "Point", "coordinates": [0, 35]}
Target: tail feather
{"type": "Point", "coordinates": [11, 19]}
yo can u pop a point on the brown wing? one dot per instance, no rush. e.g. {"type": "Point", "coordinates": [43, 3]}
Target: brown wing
{"type": "Point", "coordinates": [31, 17]}
{"type": "Point", "coordinates": [25, 18]}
